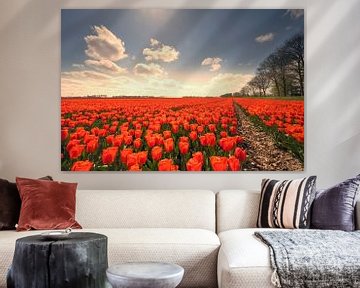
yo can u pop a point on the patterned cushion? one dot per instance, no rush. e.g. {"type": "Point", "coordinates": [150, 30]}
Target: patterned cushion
{"type": "Point", "coordinates": [286, 204]}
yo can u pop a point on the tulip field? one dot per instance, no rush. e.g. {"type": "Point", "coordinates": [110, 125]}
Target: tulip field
{"type": "Point", "coordinates": [286, 115]}
{"type": "Point", "coordinates": [165, 134]}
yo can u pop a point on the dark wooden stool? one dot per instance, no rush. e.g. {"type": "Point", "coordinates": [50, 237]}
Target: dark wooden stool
{"type": "Point", "coordinates": [78, 261]}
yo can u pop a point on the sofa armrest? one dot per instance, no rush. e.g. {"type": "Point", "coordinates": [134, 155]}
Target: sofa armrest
{"type": "Point", "coordinates": [357, 215]}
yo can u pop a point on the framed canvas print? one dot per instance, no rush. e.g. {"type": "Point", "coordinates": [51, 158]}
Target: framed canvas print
{"type": "Point", "coordinates": [182, 90]}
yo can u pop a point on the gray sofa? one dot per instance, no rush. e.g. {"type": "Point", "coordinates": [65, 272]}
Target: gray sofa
{"type": "Point", "coordinates": [210, 235]}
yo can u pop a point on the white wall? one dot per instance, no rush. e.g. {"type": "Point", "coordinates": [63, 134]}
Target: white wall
{"type": "Point", "coordinates": [30, 94]}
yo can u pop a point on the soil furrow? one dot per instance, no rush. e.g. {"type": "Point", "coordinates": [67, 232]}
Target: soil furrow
{"type": "Point", "coordinates": [263, 153]}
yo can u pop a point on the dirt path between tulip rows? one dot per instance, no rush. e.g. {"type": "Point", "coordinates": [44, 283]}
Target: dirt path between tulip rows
{"type": "Point", "coordinates": [263, 153]}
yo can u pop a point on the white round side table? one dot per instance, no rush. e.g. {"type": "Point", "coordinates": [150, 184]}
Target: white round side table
{"type": "Point", "coordinates": [145, 275]}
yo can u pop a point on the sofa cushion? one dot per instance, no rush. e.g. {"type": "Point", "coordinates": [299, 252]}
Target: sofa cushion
{"type": "Point", "coordinates": [10, 204]}
{"type": "Point", "coordinates": [286, 204]}
{"type": "Point", "coordinates": [46, 204]}
{"type": "Point", "coordinates": [194, 249]}
{"type": "Point", "coordinates": [334, 208]}
{"type": "Point", "coordinates": [244, 261]}
{"type": "Point", "coordinates": [146, 209]}
{"type": "Point", "coordinates": [236, 209]}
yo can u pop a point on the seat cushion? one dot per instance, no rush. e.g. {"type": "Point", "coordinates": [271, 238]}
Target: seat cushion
{"type": "Point", "coordinates": [244, 261]}
{"type": "Point", "coordinates": [196, 250]}
{"type": "Point", "coordinates": [153, 209]}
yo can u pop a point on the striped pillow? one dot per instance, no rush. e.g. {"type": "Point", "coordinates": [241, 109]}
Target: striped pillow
{"type": "Point", "coordinates": [286, 204]}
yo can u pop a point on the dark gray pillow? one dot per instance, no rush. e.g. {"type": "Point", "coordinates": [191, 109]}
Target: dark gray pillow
{"type": "Point", "coordinates": [10, 204]}
{"type": "Point", "coordinates": [334, 208]}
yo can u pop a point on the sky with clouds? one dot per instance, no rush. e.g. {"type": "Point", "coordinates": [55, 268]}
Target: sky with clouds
{"type": "Point", "coordinates": [168, 52]}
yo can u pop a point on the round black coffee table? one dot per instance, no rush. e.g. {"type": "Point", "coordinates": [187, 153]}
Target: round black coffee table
{"type": "Point", "coordinates": [145, 275]}
{"type": "Point", "coordinates": [78, 261]}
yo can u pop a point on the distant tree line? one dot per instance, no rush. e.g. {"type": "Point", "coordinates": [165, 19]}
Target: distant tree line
{"type": "Point", "coordinates": [281, 73]}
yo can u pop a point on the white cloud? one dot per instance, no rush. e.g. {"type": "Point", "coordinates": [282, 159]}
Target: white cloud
{"type": "Point", "coordinates": [150, 69]}
{"type": "Point", "coordinates": [75, 84]}
{"type": "Point", "coordinates": [227, 82]}
{"type": "Point", "coordinates": [80, 66]}
{"type": "Point", "coordinates": [84, 75]}
{"type": "Point", "coordinates": [214, 63]}
{"type": "Point", "coordinates": [105, 66]}
{"type": "Point", "coordinates": [265, 38]}
{"type": "Point", "coordinates": [104, 45]}
{"type": "Point", "coordinates": [160, 52]}
{"type": "Point", "coordinates": [82, 83]}
{"type": "Point", "coordinates": [154, 42]}
{"type": "Point", "coordinates": [295, 13]}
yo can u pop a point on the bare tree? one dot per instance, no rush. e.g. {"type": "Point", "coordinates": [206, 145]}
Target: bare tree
{"type": "Point", "coordinates": [270, 65]}
{"type": "Point", "coordinates": [294, 49]}
{"type": "Point", "coordinates": [245, 91]}
{"type": "Point", "coordinates": [282, 71]}
{"type": "Point", "coordinates": [253, 86]}
{"type": "Point", "coordinates": [263, 79]}
{"type": "Point", "coordinates": [282, 61]}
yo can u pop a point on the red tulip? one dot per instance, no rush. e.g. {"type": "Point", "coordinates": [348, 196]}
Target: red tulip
{"type": "Point", "coordinates": [210, 139]}
{"type": "Point", "coordinates": [203, 141]}
{"type": "Point", "coordinates": [184, 147]}
{"type": "Point", "coordinates": [167, 165]}
{"type": "Point", "coordinates": [110, 140]}
{"type": "Point", "coordinates": [118, 140]}
{"type": "Point", "coordinates": [240, 154]}
{"type": "Point", "coordinates": [159, 139]}
{"type": "Point", "coordinates": [233, 130]}
{"type": "Point", "coordinates": [227, 144]}
{"type": "Point", "coordinates": [142, 157]}
{"type": "Point", "coordinates": [175, 128]}
{"type": "Point", "coordinates": [92, 146]}
{"type": "Point", "coordinates": [169, 145]}
{"type": "Point", "coordinates": [82, 166]}
{"type": "Point", "coordinates": [193, 135]}
{"type": "Point", "coordinates": [109, 155]}
{"type": "Point", "coordinates": [193, 165]}
{"type": "Point", "coordinates": [64, 134]}
{"type": "Point", "coordinates": [193, 127]}
{"type": "Point", "coordinates": [199, 156]}
{"type": "Point", "coordinates": [167, 134]}
{"type": "Point", "coordinates": [138, 133]}
{"type": "Point", "coordinates": [135, 168]}
{"type": "Point", "coordinates": [151, 141]}
{"type": "Point", "coordinates": [234, 163]}
{"type": "Point", "coordinates": [212, 127]}
{"type": "Point", "coordinates": [102, 133]}
{"type": "Point", "coordinates": [223, 134]}
{"type": "Point", "coordinates": [219, 163]}
{"type": "Point", "coordinates": [156, 153]}
{"type": "Point", "coordinates": [128, 140]}
{"type": "Point", "coordinates": [113, 129]}
{"type": "Point", "coordinates": [131, 159]}
{"type": "Point", "coordinates": [200, 129]}
{"type": "Point", "coordinates": [137, 143]}
{"type": "Point", "coordinates": [184, 139]}
{"type": "Point", "coordinates": [124, 154]}
{"type": "Point", "coordinates": [76, 151]}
